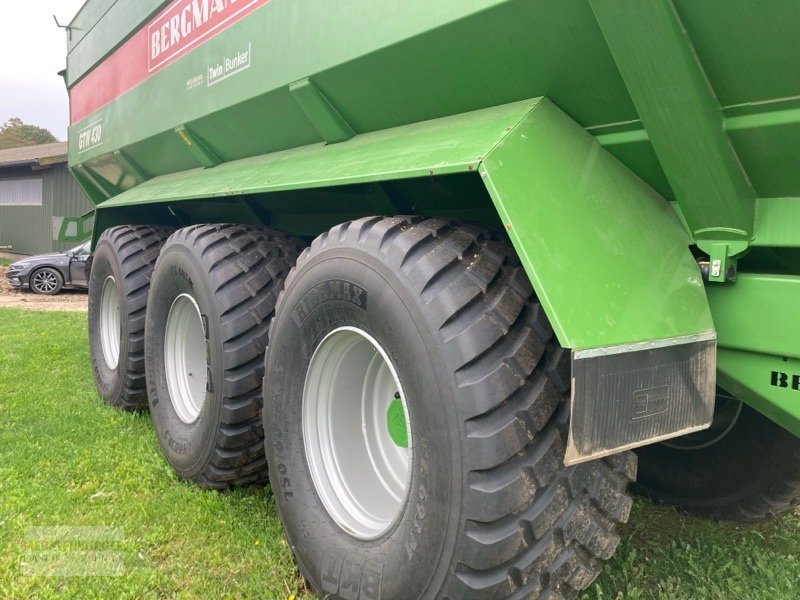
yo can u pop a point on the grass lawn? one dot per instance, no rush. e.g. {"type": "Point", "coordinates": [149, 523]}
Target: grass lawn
{"type": "Point", "coordinates": [4, 262]}
{"type": "Point", "coordinates": [84, 489]}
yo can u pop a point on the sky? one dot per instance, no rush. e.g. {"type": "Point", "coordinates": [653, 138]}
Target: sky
{"type": "Point", "coordinates": [32, 51]}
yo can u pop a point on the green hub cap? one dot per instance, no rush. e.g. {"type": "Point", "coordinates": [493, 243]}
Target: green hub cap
{"type": "Point", "coordinates": [396, 422]}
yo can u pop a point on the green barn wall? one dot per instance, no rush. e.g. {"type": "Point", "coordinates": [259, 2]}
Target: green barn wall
{"type": "Point", "coordinates": [29, 229]}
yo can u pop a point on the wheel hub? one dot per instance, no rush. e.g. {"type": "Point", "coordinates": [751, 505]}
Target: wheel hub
{"type": "Point", "coordinates": [356, 433]}
{"type": "Point", "coordinates": [45, 281]}
{"type": "Point", "coordinates": [110, 323]}
{"type": "Point", "coordinates": [185, 358]}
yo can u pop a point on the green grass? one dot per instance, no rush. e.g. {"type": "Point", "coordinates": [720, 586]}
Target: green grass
{"type": "Point", "coordinates": [67, 460]}
{"type": "Point", "coordinates": [4, 262]}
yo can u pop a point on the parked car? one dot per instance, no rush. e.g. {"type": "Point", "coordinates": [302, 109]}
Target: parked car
{"type": "Point", "coordinates": [50, 273]}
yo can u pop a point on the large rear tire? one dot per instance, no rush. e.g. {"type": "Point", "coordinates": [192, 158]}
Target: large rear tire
{"type": "Point", "coordinates": [122, 266]}
{"type": "Point", "coordinates": [473, 500]}
{"type": "Point", "coordinates": [744, 468]}
{"type": "Point", "coordinates": [211, 302]}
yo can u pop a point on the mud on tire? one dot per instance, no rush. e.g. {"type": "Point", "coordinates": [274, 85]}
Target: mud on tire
{"type": "Point", "coordinates": [491, 512]}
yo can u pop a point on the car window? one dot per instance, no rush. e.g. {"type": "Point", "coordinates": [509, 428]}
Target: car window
{"type": "Point", "coordinates": [82, 250]}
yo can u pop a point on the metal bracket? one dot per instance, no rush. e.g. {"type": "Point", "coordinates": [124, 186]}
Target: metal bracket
{"type": "Point", "coordinates": [723, 258]}
{"type": "Point", "coordinates": [682, 117]}
{"type": "Point", "coordinates": [68, 28]}
{"type": "Point", "coordinates": [72, 229]}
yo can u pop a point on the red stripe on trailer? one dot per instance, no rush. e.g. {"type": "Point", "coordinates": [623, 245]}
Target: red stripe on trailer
{"type": "Point", "coordinates": [175, 31]}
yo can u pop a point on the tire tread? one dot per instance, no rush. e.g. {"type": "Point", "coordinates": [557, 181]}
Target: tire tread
{"type": "Point", "coordinates": [137, 248]}
{"type": "Point", "coordinates": [531, 527]}
{"type": "Point", "coordinates": [236, 258]}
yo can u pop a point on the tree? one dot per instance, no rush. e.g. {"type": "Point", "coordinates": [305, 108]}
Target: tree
{"type": "Point", "coordinates": [16, 134]}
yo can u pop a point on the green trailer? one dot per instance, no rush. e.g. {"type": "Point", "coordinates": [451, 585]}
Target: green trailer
{"type": "Point", "coordinates": [446, 271]}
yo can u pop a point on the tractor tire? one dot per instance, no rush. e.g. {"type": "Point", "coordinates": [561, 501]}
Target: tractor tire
{"type": "Point", "coordinates": [416, 416]}
{"type": "Point", "coordinates": [751, 473]}
{"type": "Point", "coordinates": [211, 302]}
{"type": "Point", "coordinates": [122, 265]}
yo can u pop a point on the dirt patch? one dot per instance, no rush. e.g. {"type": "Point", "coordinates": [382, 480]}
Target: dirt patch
{"type": "Point", "coordinates": [76, 300]}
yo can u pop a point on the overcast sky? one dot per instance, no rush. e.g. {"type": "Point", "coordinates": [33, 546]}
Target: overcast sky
{"type": "Point", "coordinates": [32, 52]}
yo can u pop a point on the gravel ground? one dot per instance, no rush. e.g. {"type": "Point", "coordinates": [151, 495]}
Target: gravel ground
{"type": "Point", "coordinates": [72, 300]}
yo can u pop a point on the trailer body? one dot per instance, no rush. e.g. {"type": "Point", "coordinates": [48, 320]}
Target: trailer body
{"type": "Point", "coordinates": [614, 141]}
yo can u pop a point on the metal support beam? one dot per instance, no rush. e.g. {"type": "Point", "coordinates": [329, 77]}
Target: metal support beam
{"type": "Point", "coordinates": [327, 120]}
{"type": "Point", "coordinates": [684, 121]}
{"type": "Point", "coordinates": [199, 149]}
{"type": "Point", "coordinates": [83, 173]}
{"type": "Point", "coordinates": [132, 167]}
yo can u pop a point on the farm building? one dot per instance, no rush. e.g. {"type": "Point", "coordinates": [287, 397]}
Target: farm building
{"type": "Point", "coordinates": [37, 193]}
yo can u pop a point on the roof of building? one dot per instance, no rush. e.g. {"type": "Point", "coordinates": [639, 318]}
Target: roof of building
{"type": "Point", "coordinates": [42, 155]}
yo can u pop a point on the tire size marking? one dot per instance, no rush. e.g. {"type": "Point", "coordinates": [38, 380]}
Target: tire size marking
{"type": "Point", "coordinates": [101, 383]}
{"type": "Point", "coordinates": [327, 291]}
{"type": "Point", "coordinates": [350, 576]}
{"type": "Point", "coordinates": [276, 433]}
{"type": "Point", "coordinates": [179, 448]}
{"type": "Point", "coordinates": [182, 274]}
{"type": "Point", "coordinates": [420, 510]}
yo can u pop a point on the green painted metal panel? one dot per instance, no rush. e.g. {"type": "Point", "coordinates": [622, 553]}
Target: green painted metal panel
{"type": "Point", "coordinates": [445, 146]}
{"type": "Point", "coordinates": [382, 76]}
{"type": "Point", "coordinates": [99, 27]}
{"type": "Point", "coordinates": [757, 329]}
{"type": "Point", "coordinates": [746, 47]}
{"type": "Point", "coordinates": [749, 377]}
{"type": "Point", "coordinates": [377, 77]}
{"type": "Point", "coordinates": [777, 221]}
{"type": "Point", "coordinates": [608, 257]}
{"type": "Point", "coordinates": [758, 313]}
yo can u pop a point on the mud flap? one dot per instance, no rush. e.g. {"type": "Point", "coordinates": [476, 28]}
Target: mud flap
{"type": "Point", "coordinates": [632, 395]}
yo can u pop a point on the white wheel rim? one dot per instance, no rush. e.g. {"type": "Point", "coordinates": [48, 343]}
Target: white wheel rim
{"type": "Point", "coordinates": [110, 323]}
{"type": "Point", "coordinates": [185, 359]}
{"type": "Point", "coordinates": [361, 475]}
